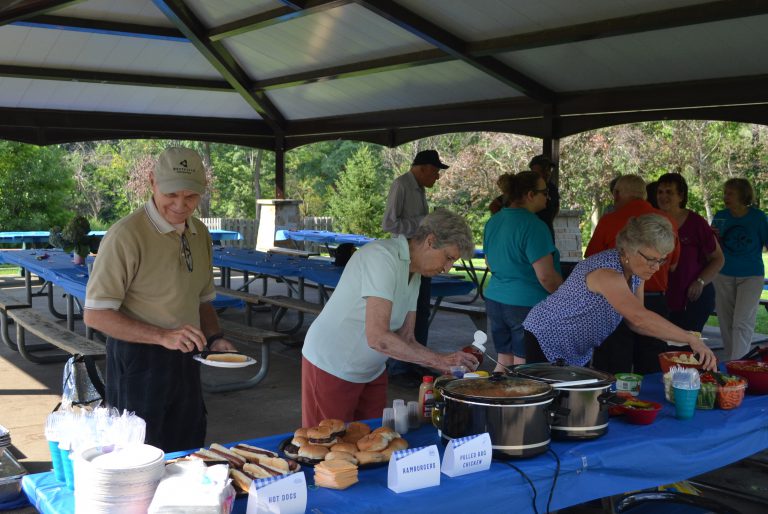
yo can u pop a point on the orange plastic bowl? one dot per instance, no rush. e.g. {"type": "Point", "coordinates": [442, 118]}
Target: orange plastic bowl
{"type": "Point", "coordinates": [666, 362]}
{"type": "Point", "coordinates": [641, 415]}
{"type": "Point", "coordinates": [756, 373]}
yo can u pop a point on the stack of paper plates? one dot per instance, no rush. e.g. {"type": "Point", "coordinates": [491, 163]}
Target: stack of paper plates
{"type": "Point", "coordinates": [124, 479]}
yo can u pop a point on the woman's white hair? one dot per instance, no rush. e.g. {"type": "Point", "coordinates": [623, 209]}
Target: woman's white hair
{"type": "Point", "coordinates": [647, 231]}
{"type": "Point", "coordinates": [448, 229]}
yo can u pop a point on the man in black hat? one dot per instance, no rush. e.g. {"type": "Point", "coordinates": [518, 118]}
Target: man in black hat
{"type": "Point", "coordinates": [406, 207]}
{"type": "Point", "coordinates": [543, 165]}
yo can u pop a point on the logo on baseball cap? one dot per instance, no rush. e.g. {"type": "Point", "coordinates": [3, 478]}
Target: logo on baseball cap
{"type": "Point", "coordinates": [180, 169]}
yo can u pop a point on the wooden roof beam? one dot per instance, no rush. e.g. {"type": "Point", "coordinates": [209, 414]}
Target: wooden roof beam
{"type": "Point", "coordinates": [20, 10]}
{"type": "Point", "coordinates": [290, 11]}
{"type": "Point", "coordinates": [358, 69]}
{"type": "Point", "coordinates": [457, 48]}
{"type": "Point", "coordinates": [125, 79]}
{"type": "Point", "coordinates": [613, 27]}
{"type": "Point", "coordinates": [116, 28]}
{"type": "Point", "coordinates": [222, 60]}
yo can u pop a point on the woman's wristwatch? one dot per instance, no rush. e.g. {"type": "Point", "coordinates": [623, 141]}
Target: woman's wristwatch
{"type": "Point", "coordinates": [700, 281]}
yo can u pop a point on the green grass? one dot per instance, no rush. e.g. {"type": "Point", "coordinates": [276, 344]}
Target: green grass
{"type": "Point", "coordinates": [9, 269]}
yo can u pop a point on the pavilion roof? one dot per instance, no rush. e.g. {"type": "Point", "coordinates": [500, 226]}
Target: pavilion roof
{"type": "Point", "coordinates": [283, 73]}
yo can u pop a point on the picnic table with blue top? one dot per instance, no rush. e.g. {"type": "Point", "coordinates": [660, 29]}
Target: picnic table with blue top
{"type": "Point", "coordinates": [627, 458]}
{"type": "Point", "coordinates": [320, 271]}
{"type": "Point", "coordinates": [476, 275]}
{"type": "Point", "coordinates": [295, 271]}
{"type": "Point", "coordinates": [39, 236]}
{"type": "Point", "coordinates": [322, 237]}
{"type": "Point", "coordinates": [55, 268]}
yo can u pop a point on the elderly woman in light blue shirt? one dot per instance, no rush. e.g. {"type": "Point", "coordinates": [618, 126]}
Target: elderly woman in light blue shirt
{"type": "Point", "coordinates": [371, 316]}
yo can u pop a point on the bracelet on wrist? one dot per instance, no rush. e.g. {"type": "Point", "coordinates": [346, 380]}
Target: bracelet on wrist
{"type": "Point", "coordinates": [213, 338]}
{"type": "Point", "coordinates": [700, 281]}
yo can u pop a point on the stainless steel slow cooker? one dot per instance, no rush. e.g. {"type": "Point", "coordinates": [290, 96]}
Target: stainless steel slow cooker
{"type": "Point", "coordinates": [514, 411]}
{"type": "Point", "coordinates": [587, 404]}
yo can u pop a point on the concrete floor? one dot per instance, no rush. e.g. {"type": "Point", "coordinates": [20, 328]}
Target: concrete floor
{"type": "Point", "coordinates": [30, 391]}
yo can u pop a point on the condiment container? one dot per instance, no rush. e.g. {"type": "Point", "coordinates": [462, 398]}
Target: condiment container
{"type": "Point", "coordinates": [426, 397]}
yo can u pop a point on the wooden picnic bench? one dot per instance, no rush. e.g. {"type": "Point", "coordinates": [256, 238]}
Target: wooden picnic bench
{"type": "Point", "coordinates": [28, 320]}
{"type": "Point", "coordinates": [278, 304]}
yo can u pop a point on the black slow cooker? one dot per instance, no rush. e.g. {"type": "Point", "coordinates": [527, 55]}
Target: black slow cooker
{"type": "Point", "coordinates": [514, 411]}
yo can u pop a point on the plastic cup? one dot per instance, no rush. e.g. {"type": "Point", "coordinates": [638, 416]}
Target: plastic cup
{"type": "Point", "coordinates": [414, 416]}
{"type": "Point", "coordinates": [388, 418]}
{"type": "Point", "coordinates": [69, 471]}
{"type": "Point", "coordinates": [58, 466]}
{"type": "Point", "coordinates": [685, 402]}
{"type": "Point", "coordinates": [401, 418]}
{"type": "Point", "coordinates": [458, 371]}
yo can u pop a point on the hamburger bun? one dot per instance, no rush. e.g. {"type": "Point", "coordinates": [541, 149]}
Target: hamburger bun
{"type": "Point", "coordinates": [344, 447]}
{"type": "Point", "coordinates": [227, 357]}
{"type": "Point", "coordinates": [387, 433]}
{"type": "Point", "coordinates": [394, 445]}
{"type": "Point", "coordinates": [358, 428]}
{"type": "Point", "coordinates": [292, 449]}
{"type": "Point", "coordinates": [300, 432]}
{"type": "Point", "coordinates": [336, 425]}
{"type": "Point", "coordinates": [313, 452]}
{"type": "Point", "coordinates": [372, 443]}
{"type": "Point", "coordinates": [321, 436]}
{"type": "Point", "coordinates": [341, 456]}
{"type": "Point", "coordinates": [364, 458]}
{"type": "Point", "coordinates": [398, 444]}
{"type": "Point", "coordinates": [352, 437]}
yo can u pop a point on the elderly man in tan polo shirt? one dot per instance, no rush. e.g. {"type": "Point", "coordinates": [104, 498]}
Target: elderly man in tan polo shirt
{"type": "Point", "coordinates": [150, 292]}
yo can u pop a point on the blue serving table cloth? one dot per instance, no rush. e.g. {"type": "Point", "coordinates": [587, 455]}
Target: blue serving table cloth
{"type": "Point", "coordinates": [629, 457]}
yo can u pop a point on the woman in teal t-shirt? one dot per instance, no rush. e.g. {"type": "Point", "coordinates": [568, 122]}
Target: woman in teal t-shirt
{"type": "Point", "coordinates": [743, 233]}
{"type": "Point", "coordinates": [523, 261]}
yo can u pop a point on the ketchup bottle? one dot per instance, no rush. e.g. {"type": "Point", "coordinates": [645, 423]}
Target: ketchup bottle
{"type": "Point", "coordinates": [477, 348]}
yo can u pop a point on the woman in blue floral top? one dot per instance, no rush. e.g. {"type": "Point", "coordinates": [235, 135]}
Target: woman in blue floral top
{"type": "Point", "coordinates": [601, 291]}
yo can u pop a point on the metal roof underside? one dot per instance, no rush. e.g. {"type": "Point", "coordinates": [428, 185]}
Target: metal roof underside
{"type": "Point", "coordinates": [283, 73]}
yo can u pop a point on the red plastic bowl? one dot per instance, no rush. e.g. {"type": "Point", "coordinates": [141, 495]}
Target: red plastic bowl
{"type": "Point", "coordinates": [666, 362]}
{"type": "Point", "coordinates": [640, 416]}
{"type": "Point", "coordinates": [756, 373]}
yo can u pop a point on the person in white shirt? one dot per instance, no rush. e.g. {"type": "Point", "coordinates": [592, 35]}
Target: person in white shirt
{"type": "Point", "coordinates": [406, 207]}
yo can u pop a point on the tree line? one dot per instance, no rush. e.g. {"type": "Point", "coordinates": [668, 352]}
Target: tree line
{"type": "Point", "coordinates": [348, 180]}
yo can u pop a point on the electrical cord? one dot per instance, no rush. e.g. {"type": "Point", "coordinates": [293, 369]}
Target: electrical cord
{"type": "Point", "coordinates": [554, 478]}
{"type": "Point", "coordinates": [530, 483]}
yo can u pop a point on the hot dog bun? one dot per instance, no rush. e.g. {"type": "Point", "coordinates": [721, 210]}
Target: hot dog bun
{"type": "Point", "coordinates": [227, 357]}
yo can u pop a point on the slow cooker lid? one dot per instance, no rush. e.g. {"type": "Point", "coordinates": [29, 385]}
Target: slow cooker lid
{"type": "Point", "coordinates": [497, 387]}
{"type": "Point", "coordinates": [554, 372]}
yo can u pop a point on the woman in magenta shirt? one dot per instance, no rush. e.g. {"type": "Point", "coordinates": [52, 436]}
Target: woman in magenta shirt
{"type": "Point", "coordinates": [690, 294]}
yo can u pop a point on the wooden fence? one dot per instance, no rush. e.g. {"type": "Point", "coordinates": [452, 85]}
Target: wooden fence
{"type": "Point", "coordinates": [247, 228]}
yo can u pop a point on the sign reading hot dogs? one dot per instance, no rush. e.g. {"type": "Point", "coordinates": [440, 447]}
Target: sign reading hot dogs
{"type": "Point", "coordinates": [286, 494]}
